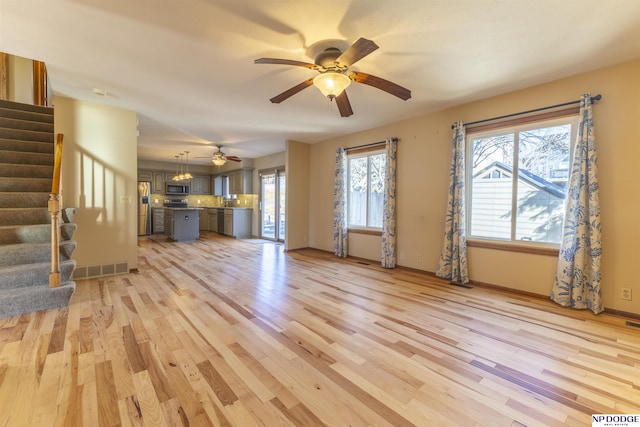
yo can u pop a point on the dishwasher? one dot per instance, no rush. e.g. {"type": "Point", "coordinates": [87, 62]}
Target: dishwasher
{"type": "Point", "coordinates": [221, 229]}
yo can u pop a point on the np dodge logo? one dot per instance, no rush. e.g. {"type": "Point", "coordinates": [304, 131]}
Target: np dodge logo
{"type": "Point", "coordinates": [615, 420]}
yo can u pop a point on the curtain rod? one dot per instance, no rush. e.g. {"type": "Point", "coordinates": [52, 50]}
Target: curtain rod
{"type": "Point", "coordinates": [368, 145]}
{"type": "Point", "coordinates": [593, 99]}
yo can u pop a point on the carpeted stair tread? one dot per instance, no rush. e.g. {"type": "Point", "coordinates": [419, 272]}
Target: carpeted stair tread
{"type": "Point", "coordinates": [18, 216]}
{"type": "Point", "coordinates": [35, 233]}
{"type": "Point", "coordinates": [35, 298]}
{"type": "Point", "coordinates": [23, 200]}
{"type": "Point", "coordinates": [28, 184]}
{"type": "Point", "coordinates": [26, 135]}
{"type": "Point", "coordinates": [36, 274]}
{"type": "Point", "coordinates": [26, 146]}
{"type": "Point", "coordinates": [25, 158]}
{"type": "Point", "coordinates": [26, 171]}
{"type": "Point", "coordinates": [32, 116]}
{"type": "Point", "coordinates": [21, 124]}
{"type": "Point", "coordinates": [26, 107]}
{"type": "Point", "coordinates": [29, 253]}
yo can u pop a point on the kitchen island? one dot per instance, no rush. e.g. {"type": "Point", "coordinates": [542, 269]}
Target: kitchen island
{"type": "Point", "coordinates": [182, 224]}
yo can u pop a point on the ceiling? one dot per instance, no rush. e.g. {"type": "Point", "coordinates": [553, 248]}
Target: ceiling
{"type": "Point", "coordinates": [186, 66]}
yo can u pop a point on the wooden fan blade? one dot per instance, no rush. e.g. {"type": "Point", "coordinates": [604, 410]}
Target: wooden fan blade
{"type": "Point", "coordinates": [233, 158]}
{"type": "Point", "coordinates": [382, 84]}
{"type": "Point", "coordinates": [344, 106]}
{"type": "Point", "coordinates": [292, 91]}
{"type": "Point", "coordinates": [361, 48]}
{"type": "Point", "coordinates": [285, 62]}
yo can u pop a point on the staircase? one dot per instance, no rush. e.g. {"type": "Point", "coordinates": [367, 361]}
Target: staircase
{"type": "Point", "coordinates": [26, 175]}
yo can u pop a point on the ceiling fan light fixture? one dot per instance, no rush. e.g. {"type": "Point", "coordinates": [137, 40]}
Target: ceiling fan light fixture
{"type": "Point", "coordinates": [218, 160]}
{"type": "Point", "coordinates": [331, 84]}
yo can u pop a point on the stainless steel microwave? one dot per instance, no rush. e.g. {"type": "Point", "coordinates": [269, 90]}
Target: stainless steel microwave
{"type": "Point", "coordinates": [173, 188]}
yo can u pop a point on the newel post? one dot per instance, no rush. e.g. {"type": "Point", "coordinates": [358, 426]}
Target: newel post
{"type": "Point", "coordinates": [54, 206]}
{"type": "Point", "coordinates": [54, 211]}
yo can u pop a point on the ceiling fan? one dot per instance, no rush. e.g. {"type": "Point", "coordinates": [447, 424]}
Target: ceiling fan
{"type": "Point", "coordinates": [335, 75]}
{"type": "Point", "coordinates": [219, 158]}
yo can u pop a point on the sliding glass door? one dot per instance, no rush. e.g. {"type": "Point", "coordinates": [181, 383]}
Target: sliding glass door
{"type": "Point", "coordinates": [272, 204]}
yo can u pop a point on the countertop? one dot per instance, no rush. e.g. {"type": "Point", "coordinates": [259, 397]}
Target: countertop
{"type": "Point", "coordinates": [184, 209]}
{"type": "Point", "coordinates": [226, 207]}
{"type": "Point", "coordinates": [199, 208]}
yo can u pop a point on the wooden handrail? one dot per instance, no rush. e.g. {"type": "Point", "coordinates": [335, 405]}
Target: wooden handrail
{"type": "Point", "coordinates": [54, 210]}
{"type": "Point", "coordinates": [57, 164]}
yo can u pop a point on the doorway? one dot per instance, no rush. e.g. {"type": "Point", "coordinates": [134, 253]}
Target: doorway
{"type": "Point", "coordinates": [273, 186]}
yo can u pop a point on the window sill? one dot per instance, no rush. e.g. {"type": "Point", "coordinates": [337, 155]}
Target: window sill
{"type": "Point", "coordinates": [513, 247]}
{"type": "Point", "coordinates": [369, 231]}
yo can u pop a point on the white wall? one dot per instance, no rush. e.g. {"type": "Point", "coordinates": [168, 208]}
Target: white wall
{"type": "Point", "coordinates": [424, 152]}
{"type": "Point", "coordinates": [99, 178]}
{"type": "Point", "coordinates": [20, 79]}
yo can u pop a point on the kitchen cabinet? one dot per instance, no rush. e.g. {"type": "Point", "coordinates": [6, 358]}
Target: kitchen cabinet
{"type": "Point", "coordinates": [204, 220]}
{"type": "Point", "coordinates": [220, 185]}
{"type": "Point", "coordinates": [201, 184]}
{"type": "Point", "coordinates": [157, 220]}
{"type": "Point", "coordinates": [157, 184]}
{"type": "Point", "coordinates": [241, 181]}
{"type": "Point", "coordinates": [145, 176]}
{"type": "Point", "coordinates": [237, 223]}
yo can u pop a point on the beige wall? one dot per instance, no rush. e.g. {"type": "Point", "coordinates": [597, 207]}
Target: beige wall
{"type": "Point", "coordinates": [423, 163]}
{"type": "Point", "coordinates": [297, 198]}
{"type": "Point", "coordinates": [100, 179]}
{"type": "Point", "coordinates": [20, 79]}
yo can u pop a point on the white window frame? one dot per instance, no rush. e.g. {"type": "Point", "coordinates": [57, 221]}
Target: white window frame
{"type": "Point", "coordinates": [512, 242]}
{"type": "Point", "coordinates": [359, 154]}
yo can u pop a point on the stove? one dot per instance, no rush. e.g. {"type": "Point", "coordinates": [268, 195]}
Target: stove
{"type": "Point", "coordinates": [175, 203]}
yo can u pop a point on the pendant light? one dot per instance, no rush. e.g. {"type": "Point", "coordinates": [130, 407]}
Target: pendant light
{"type": "Point", "coordinates": [176, 177]}
{"type": "Point", "coordinates": [181, 176]}
{"type": "Point", "coordinates": [187, 175]}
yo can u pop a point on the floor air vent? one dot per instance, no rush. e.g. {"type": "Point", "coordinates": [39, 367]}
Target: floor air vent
{"type": "Point", "coordinates": [633, 324]}
{"type": "Point", "coordinates": [100, 270]}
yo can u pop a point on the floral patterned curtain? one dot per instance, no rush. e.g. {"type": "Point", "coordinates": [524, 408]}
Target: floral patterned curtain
{"type": "Point", "coordinates": [340, 205]}
{"type": "Point", "coordinates": [453, 258]}
{"type": "Point", "coordinates": [389, 206]}
{"type": "Point", "coordinates": [577, 281]}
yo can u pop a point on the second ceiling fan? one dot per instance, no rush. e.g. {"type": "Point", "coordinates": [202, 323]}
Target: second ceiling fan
{"type": "Point", "coordinates": [335, 75]}
{"type": "Point", "coordinates": [218, 158]}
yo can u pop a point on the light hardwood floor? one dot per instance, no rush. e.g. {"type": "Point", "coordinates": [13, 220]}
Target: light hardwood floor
{"type": "Point", "coordinates": [220, 332]}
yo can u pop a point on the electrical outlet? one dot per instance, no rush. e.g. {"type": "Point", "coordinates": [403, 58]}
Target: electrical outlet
{"type": "Point", "coordinates": [625, 293]}
{"type": "Point", "coordinates": [419, 259]}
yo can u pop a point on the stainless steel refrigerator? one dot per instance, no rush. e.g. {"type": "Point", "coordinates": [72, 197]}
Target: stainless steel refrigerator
{"type": "Point", "coordinates": [144, 208]}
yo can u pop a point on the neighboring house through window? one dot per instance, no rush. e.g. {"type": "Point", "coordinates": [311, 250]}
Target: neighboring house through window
{"type": "Point", "coordinates": [365, 188]}
{"type": "Point", "coordinates": [517, 181]}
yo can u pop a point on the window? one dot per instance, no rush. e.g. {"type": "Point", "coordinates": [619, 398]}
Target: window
{"type": "Point", "coordinates": [365, 194]}
{"type": "Point", "coordinates": [518, 181]}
